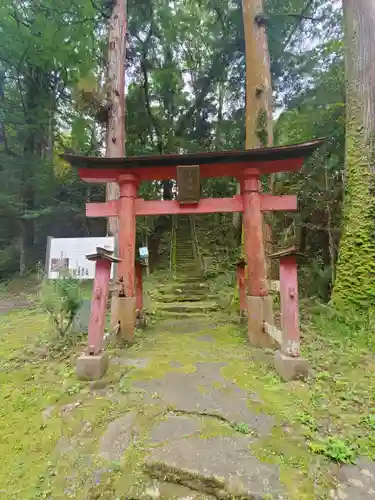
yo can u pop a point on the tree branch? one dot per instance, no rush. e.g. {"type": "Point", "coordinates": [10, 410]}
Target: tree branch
{"type": "Point", "coordinates": [148, 105]}
{"type": "Point", "coordinates": [302, 13]}
{"type": "Point", "coordinates": [301, 17]}
{"type": "Point", "coordinates": [146, 85]}
{"type": "Point", "coordinates": [210, 79]}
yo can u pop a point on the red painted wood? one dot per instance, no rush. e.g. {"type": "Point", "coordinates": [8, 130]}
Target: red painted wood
{"type": "Point", "coordinates": [289, 306]}
{"type": "Point", "coordinates": [103, 209]}
{"type": "Point", "coordinates": [270, 203]}
{"type": "Point", "coordinates": [253, 236]}
{"type": "Point", "coordinates": [139, 286]}
{"type": "Point", "coordinates": [241, 283]}
{"type": "Point", "coordinates": [160, 207]}
{"type": "Point", "coordinates": [126, 239]}
{"type": "Point", "coordinates": [99, 305]}
{"type": "Point", "coordinates": [206, 205]}
{"type": "Point", "coordinates": [169, 172]}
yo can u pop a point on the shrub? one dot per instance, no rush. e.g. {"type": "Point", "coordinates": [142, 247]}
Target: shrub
{"type": "Point", "coordinates": [62, 299]}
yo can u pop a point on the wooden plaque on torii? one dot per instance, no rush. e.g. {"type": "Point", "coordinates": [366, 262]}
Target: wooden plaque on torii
{"type": "Point", "coordinates": [188, 184]}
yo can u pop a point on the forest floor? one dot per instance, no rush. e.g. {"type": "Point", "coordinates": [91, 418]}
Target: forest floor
{"type": "Point", "coordinates": [190, 411]}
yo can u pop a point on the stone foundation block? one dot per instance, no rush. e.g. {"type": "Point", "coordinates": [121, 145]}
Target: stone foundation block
{"type": "Point", "coordinates": [91, 367]}
{"type": "Point", "coordinates": [291, 368]}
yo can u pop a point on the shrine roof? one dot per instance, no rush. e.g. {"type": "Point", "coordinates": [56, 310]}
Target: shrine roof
{"type": "Point", "coordinates": [243, 156]}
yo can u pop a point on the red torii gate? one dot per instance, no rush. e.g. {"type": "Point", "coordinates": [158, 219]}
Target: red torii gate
{"type": "Point", "coordinates": [245, 165]}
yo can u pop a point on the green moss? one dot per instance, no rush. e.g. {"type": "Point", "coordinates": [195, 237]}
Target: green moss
{"type": "Point", "coordinates": [355, 284]}
{"type": "Point", "coordinates": [213, 428]}
{"type": "Point", "coordinates": [262, 127]}
{"type": "Point", "coordinates": [337, 401]}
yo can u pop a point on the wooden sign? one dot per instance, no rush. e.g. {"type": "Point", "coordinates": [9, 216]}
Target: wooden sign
{"type": "Point", "coordinates": [188, 184]}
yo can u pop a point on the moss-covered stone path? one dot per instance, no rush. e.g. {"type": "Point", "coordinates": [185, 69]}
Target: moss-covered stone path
{"type": "Point", "coordinates": [202, 415]}
{"type": "Point", "coordinates": [190, 411]}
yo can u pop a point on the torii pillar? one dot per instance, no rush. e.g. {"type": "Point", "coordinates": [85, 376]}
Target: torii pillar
{"type": "Point", "coordinates": [124, 313]}
{"type": "Point", "coordinates": [259, 302]}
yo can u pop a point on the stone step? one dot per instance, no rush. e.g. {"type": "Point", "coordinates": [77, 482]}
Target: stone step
{"type": "Point", "coordinates": [191, 315]}
{"type": "Point", "coordinates": [185, 286]}
{"type": "Point", "coordinates": [188, 271]}
{"type": "Point", "coordinates": [186, 307]}
{"type": "Point", "coordinates": [187, 264]}
{"type": "Point", "coordinates": [180, 293]}
{"type": "Point", "coordinates": [173, 491]}
{"type": "Point", "coordinates": [171, 298]}
{"type": "Point", "coordinates": [181, 298]}
{"type": "Point", "coordinates": [197, 276]}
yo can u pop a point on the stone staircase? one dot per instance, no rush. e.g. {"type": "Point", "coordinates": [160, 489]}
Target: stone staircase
{"type": "Point", "coordinates": [187, 294]}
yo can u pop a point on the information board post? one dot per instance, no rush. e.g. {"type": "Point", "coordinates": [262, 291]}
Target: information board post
{"type": "Point", "coordinates": [69, 255]}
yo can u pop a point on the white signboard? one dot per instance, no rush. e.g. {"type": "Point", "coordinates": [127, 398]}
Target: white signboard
{"type": "Point", "coordinates": [70, 254]}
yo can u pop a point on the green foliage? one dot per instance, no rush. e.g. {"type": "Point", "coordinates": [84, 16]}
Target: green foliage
{"type": "Point", "coordinates": [242, 428]}
{"type": "Point", "coordinates": [186, 93]}
{"type": "Point", "coordinates": [335, 449]}
{"type": "Point", "coordinates": [62, 298]}
{"type": "Point", "coordinates": [307, 420]}
{"type": "Point", "coordinates": [369, 420]}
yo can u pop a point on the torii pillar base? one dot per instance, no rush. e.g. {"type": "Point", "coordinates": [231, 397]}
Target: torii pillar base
{"type": "Point", "coordinates": [92, 367]}
{"type": "Point", "coordinates": [290, 368]}
{"type": "Point", "coordinates": [126, 314]}
{"type": "Point", "coordinates": [259, 310]}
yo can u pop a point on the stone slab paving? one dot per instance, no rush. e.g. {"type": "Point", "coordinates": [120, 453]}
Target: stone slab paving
{"type": "Point", "coordinates": [222, 466]}
{"type": "Point", "coordinates": [118, 437]}
{"type": "Point", "coordinates": [356, 482]}
{"type": "Point", "coordinates": [175, 427]}
{"type": "Point", "coordinates": [207, 391]}
{"type": "Point", "coordinates": [170, 491]}
{"type": "Point", "coordinates": [134, 363]}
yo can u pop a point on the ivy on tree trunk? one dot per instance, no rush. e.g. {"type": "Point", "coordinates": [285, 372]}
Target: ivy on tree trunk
{"type": "Point", "coordinates": [355, 273]}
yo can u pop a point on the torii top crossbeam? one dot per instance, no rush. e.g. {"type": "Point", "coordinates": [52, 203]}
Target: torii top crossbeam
{"type": "Point", "coordinates": [217, 164]}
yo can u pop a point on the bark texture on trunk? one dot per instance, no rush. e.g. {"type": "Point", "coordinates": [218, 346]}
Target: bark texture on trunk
{"type": "Point", "coordinates": [258, 117]}
{"type": "Point", "coordinates": [115, 139]}
{"type": "Point", "coordinates": [258, 78]}
{"type": "Point", "coordinates": [355, 271]}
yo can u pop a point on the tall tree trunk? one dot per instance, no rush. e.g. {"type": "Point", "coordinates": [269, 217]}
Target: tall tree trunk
{"type": "Point", "coordinates": [258, 77]}
{"type": "Point", "coordinates": [355, 271]}
{"type": "Point", "coordinates": [115, 140]}
{"type": "Point", "coordinates": [259, 131]}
